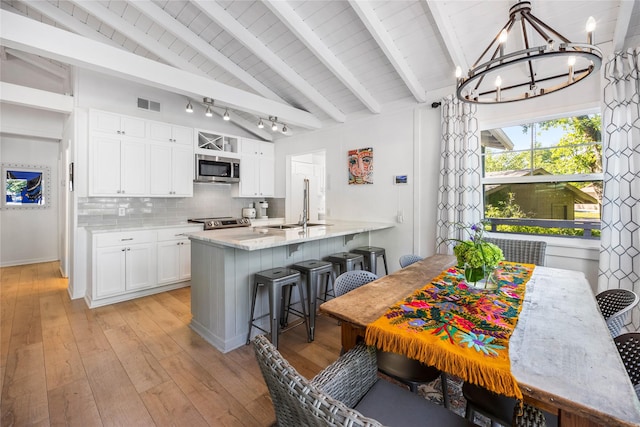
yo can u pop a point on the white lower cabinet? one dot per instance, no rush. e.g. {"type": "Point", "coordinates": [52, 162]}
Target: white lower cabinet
{"type": "Point", "coordinates": [174, 256]}
{"type": "Point", "coordinates": [127, 265]}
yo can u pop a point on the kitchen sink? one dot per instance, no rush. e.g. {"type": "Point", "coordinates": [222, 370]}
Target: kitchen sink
{"type": "Point", "coordinates": [293, 226]}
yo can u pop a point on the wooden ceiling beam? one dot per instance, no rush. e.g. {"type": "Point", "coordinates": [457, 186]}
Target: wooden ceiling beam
{"type": "Point", "coordinates": [152, 45]}
{"type": "Point", "coordinates": [35, 98]}
{"type": "Point", "coordinates": [25, 34]}
{"type": "Point", "coordinates": [69, 22]}
{"type": "Point", "coordinates": [227, 22]}
{"type": "Point", "coordinates": [622, 25]}
{"type": "Point", "coordinates": [41, 63]}
{"type": "Point", "coordinates": [306, 35]}
{"type": "Point", "coordinates": [368, 16]}
{"type": "Point", "coordinates": [445, 28]}
{"type": "Point", "coordinates": [157, 14]}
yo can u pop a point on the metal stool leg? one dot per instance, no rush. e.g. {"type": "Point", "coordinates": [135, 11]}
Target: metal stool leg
{"type": "Point", "coordinates": [253, 307]}
{"type": "Point", "coordinates": [275, 296]}
{"type": "Point", "coordinates": [384, 260]}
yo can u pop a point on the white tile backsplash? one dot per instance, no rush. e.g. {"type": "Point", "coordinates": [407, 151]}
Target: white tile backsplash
{"type": "Point", "coordinates": [209, 200]}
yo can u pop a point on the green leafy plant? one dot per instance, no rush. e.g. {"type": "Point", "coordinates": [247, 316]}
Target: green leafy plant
{"type": "Point", "coordinates": [476, 252]}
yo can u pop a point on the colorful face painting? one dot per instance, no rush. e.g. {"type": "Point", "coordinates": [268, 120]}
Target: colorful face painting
{"type": "Point", "coordinates": [361, 166]}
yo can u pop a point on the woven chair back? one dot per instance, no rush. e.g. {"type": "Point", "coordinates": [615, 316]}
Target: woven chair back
{"type": "Point", "coordinates": [407, 260]}
{"type": "Point", "coordinates": [615, 306]}
{"type": "Point", "coordinates": [351, 280]}
{"type": "Point", "coordinates": [629, 349]}
{"type": "Point", "coordinates": [523, 251]}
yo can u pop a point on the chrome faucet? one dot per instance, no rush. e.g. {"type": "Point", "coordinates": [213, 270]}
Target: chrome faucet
{"type": "Point", "coordinates": [305, 206]}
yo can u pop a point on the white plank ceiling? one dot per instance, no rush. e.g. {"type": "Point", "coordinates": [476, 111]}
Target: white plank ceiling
{"type": "Point", "coordinates": [332, 59]}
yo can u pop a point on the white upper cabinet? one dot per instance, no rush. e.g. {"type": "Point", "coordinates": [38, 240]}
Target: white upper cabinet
{"type": "Point", "coordinates": [118, 167]}
{"type": "Point", "coordinates": [117, 124]}
{"type": "Point", "coordinates": [133, 157]}
{"type": "Point", "coordinates": [165, 132]}
{"type": "Point", "coordinates": [171, 170]}
{"type": "Point", "coordinates": [257, 169]}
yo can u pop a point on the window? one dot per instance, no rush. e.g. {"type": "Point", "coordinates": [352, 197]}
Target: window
{"type": "Point", "coordinates": [544, 177]}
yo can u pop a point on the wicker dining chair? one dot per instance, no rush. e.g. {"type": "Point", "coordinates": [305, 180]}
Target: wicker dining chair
{"type": "Point", "coordinates": [347, 392]}
{"type": "Point", "coordinates": [408, 371]}
{"type": "Point", "coordinates": [615, 306]}
{"type": "Point", "coordinates": [629, 348]}
{"type": "Point", "coordinates": [523, 251]}
{"type": "Point", "coordinates": [407, 260]}
{"type": "Point", "coordinates": [503, 410]}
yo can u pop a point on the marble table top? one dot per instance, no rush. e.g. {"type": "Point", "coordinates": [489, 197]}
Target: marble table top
{"type": "Point", "coordinates": [262, 237]}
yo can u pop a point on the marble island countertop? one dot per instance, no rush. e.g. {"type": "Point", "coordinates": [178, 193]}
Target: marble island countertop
{"type": "Point", "coordinates": [263, 237]}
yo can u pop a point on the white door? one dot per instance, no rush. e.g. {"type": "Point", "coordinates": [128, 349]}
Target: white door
{"type": "Point", "coordinates": [168, 261]}
{"type": "Point", "coordinates": [140, 266]}
{"type": "Point", "coordinates": [105, 166]}
{"type": "Point", "coordinates": [182, 165]}
{"type": "Point", "coordinates": [110, 271]}
{"type": "Point", "coordinates": [134, 168]}
{"type": "Point", "coordinates": [160, 169]}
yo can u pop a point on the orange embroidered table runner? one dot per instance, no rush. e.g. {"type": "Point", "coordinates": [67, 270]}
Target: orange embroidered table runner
{"type": "Point", "coordinates": [459, 329]}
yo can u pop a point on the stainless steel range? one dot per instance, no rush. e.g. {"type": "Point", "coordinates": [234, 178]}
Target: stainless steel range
{"type": "Point", "coordinates": [222, 222]}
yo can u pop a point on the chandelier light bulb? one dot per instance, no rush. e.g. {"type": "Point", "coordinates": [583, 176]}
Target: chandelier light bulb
{"type": "Point", "coordinates": [591, 27]}
{"type": "Point", "coordinates": [502, 39]}
{"type": "Point", "coordinates": [189, 108]}
{"type": "Point", "coordinates": [571, 61]}
{"type": "Point", "coordinates": [458, 72]}
{"type": "Point", "coordinates": [260, 124]}
{"type": "Point", "coordinates": [208, 113]}
{"type": "Point", "coordinates": [498, 89]}
{"type": "Point", "coordinates": [226, 115]}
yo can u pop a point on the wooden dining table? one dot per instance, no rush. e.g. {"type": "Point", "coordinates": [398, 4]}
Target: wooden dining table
{"type": "Point", "coordinates": [561, 352]}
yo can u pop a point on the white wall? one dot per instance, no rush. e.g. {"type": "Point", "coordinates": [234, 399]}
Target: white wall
{"type": "Point", "coordinates": [30, 235]}
{"type": "Point", "coordinates": [99, 91]}
{"type": "Point", "coordinates": [396, 138]}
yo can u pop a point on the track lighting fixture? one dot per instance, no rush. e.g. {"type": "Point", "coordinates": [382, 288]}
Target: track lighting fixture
{"type": "Point", "coordinates": [208, 113]}
{"type": "Point", "coordinates": [189, 108]}
{"type": "Point", "coordinates": [274, 126]}
{"type": "Point", "coordinates": [260, 124]}
{"type": "Point", "coordinates": [226, 115]}
{"type": "Point", "coordinates": [285, 129]}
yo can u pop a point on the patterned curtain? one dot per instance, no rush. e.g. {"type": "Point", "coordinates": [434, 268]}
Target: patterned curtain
{"type": "Point", "coordinates": [620, 246]}
{"type": "Point", "coordinates": [459, 195]}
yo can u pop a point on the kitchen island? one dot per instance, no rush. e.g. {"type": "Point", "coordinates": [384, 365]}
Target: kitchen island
{"type": "Point", "coordinates": [223, 263]}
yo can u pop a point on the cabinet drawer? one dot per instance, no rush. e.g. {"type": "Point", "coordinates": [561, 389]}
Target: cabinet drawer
{"type": "Point", "coordinates": [176, 233]}
{"type": "Point", "coordinates": [125, 238]}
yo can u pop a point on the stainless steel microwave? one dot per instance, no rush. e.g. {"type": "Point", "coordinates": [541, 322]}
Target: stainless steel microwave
{"type": "Point", "coordinates": [217, 169]}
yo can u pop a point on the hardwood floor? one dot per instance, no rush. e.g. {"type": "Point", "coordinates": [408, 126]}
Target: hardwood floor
{"type": "Point", "coordinates": [135, 363]}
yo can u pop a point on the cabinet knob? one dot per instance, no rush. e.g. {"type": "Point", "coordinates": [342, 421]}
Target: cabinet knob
{"type": "Point", "coordinates": [124, 249]}
{"type": "Point", "coordinates": [123, 132]}
{"type": "Point", "coordinates": [119, 132]}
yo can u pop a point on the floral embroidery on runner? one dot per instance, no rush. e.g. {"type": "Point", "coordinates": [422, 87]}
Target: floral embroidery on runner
{"type": "Point", "coordinates": [457, 328]}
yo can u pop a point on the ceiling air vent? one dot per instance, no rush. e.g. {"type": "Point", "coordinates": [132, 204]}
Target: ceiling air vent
{"type": "Point", "coordinates": [145, 104]}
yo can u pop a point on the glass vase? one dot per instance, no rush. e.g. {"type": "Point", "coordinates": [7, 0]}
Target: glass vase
{"type": "Point", "coordinates": [479, 277]}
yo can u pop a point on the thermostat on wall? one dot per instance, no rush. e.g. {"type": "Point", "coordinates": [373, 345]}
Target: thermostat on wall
{"type": "Point", "coordinates": [400, 179]}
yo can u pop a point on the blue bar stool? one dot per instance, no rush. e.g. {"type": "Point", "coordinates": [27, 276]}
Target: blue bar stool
{"type": "Point", "coordinates": [279, 282]}
{"type": "Point", "coordinates": [371, 254]}
{"type": "Point", "coordinates": [314, 271]}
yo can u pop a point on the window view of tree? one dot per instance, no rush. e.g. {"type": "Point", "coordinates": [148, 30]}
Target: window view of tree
{"type": "Point", "coordinates": [545, 177]}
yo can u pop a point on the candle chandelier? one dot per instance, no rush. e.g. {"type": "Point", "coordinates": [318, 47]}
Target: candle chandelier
{"type": "Point", "coordinates": [514, 68]}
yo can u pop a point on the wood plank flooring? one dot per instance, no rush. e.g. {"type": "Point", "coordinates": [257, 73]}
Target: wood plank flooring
{"type": "Point", "coordinates": [135, 363]}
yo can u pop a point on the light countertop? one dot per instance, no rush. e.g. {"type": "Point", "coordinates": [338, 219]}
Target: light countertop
{"type": "Point", "coordinates": [259, 237]}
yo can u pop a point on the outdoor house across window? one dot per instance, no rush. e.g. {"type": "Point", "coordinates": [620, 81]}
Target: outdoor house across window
{"type": "Point", "coordinates": [544, 177]}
